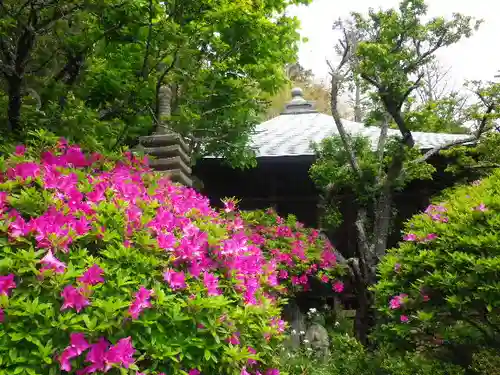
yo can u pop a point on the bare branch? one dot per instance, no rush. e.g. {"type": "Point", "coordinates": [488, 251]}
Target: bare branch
{"type": "Point", "coordinates": [371, 81]}
{"type": "Point", "coordinates": [415, 85]}
{"type": "Point", "coordinates": [422, 57]}
{"type": "Point", "coordinates": [445, 146]}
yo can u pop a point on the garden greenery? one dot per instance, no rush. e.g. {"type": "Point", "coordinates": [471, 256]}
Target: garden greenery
{"type": "Point", "coordinates": [439, 291]}
{"type": "Point", "coordinates": [108, 267]}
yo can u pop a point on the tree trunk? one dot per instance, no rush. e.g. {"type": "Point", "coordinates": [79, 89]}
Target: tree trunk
{"type": "Point", "coordinates": [358, 115]}
{"type": "Point", "coordinates": [365, 314]}
{"type": "Point", "coordinates": [14, 107]}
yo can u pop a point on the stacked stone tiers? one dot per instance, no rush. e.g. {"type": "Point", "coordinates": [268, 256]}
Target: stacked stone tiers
{"type": "Point", "coordinates": [170, 155]}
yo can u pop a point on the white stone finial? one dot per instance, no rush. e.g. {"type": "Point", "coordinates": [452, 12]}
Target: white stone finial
{"type": "Point", "coordinates": [297, 92]}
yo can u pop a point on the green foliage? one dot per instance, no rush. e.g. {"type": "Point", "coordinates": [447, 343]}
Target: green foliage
{"type": "Point", "coordinates": [486, 362]}
{"type": "Point", "coordinates": [333, 174]}
{"type": "Point", "coordinates": [401, 42]}
{"type": "Point", "coordinates": [439, 291]}
{"type": "Point", "coordinates": [349, 357]}
{"type": "Point", "coordinates": [390, 55]}
{"type": "Point", "coordinates": [471, 162]}
{"type": "Point", "coordinates": [438, 116]}
{"type": "Point", "coordinates": [91, 70]}
{"type": "Point", "coordinates": [477, 160]}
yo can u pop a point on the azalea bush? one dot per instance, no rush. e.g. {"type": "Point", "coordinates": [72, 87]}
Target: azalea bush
{"type": "Point", "coordinates": [107, 267]}
{"type": "Point", "coordinates": [439, 291]}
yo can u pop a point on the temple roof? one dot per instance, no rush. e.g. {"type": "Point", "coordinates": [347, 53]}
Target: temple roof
{"type": "Point", "coordinates": [299, 125]}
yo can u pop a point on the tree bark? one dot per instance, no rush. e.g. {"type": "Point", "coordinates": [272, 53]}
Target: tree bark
{"type": "Point", "coordinates": [14, 107]}
{"type": "Point", "coordinates": [364, 321]}
{"type": "Point", "coordinates": [15, 77]}
{"type": "Point", "coordinates": [358, 115]}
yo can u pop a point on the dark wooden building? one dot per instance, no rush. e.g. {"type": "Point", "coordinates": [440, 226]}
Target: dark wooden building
{"type": "Point", "coordinates": [284, 156]}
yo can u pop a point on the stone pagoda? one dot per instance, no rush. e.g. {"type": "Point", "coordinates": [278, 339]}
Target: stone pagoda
{"type": "Point", "coordinates": [170, 153]}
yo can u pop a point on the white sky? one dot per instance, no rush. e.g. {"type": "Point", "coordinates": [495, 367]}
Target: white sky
{"type": "Point", "coordinates": [474, 58]}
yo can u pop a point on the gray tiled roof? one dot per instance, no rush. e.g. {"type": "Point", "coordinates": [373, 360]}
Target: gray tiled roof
{"type": "Point", "coordinates": [292, 134]}
{"type": "Point", "coordinates": [299, 126]}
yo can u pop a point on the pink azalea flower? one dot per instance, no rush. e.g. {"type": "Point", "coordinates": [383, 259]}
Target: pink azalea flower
{"type": "Point", "coordinates": [211, 282]}
{"type": "Point", "coordinates": [229, 206]}
{"type": "Point", "coordinates": [397, 267]}
{"type": "Point", "coordinates": [176, 280]}
{"type": "Point", "coordinates": [24, 171]}
{"type": "Point", "coordinates": [251, 351]}
{"type": "Point", "coordinates": [96, 356]}
{"type": "Point", "coordinates": [121, 353]}
{"type": "Point", "coordinates": [338, 286]}
{"type": "Point", "coordinates": [18, 227]}
{"type": "Point", "coordinates": [234, 339]}
{"type": "Point", "coordinates": [283, 274]}
{"type": "Point", "coordinates": [166, 241]}
{"type": "Point", "coordinates": [410, 237]}
{"type": "Point", "coordinates": [141, 302]}
{"type": "Point", "coordinates": [273, 371]}
{"type": "Point", "coordinates": [328, 258]}
{"type": "Point", "coordinates": [431, 236]}
{"type": "Point", "coordinates": [244, 371]}
{"type": "Point", "coordinates": [194, 371]}
{"type": "Point", "coordinates": [77, 346]}
{"type": "Point", "coordinates": [20, 150]}
{"type": "Point", "coordinates": [50, 262]}
{"type": "Point", "coordinates": [397, 301]}
{"type": "Point", "coordinates": [6, 284]}
{"type": "Point", "coordinates": [92, 276]}
{"type": "Point", "coordinates": [481, 208]}
{"type": "Point", "coordinates": [272, 279]}
{"type": "Point", "coordinates": [65, 358]}
{"type": "Point", "coordinates": [78, 341]}
{"type": "Point", "coordinates": [279, 324]}
{"type": "Point", "coordinates": [403, 318]}
{"type": "Point", "coordinates": [74, 298]}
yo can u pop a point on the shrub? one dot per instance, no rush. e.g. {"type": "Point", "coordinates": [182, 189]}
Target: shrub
{"type": "Point", "coordinates": [439, 291]}
{"type": "Point", "coordinates": [349, 357]}
{"type": "Point", "coordinates": [486, 362]}
{"type": "Point", "coordinates": [107, 266]}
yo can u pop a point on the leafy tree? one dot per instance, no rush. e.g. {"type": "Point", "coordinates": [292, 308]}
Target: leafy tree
{"type": "Point", "coordinates": [93, 70]}
{"type": "Point", "coordinates": [397, 44]}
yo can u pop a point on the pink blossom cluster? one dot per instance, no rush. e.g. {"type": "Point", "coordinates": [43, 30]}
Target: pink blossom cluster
{"type": "Point", "coordinates": [412, 237]}
{"type": "Point", "coordinates": [258, 261]}
{"type": "Point", "coordinates": [101, 356]}
{"type": "Point", "coordinates": [399, 301]}
{"type": "Point", "coordinates": [436, 213]}
{"type": "Point", "coordinates": [7, 283]}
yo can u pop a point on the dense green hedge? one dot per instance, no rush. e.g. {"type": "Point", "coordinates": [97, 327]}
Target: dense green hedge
{"type": "Point", "coordinates": [439, 291]}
